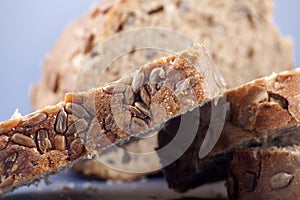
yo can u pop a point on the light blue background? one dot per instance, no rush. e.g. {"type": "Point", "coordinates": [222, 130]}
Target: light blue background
{"type": "Point", "coordinates": [29, 28]}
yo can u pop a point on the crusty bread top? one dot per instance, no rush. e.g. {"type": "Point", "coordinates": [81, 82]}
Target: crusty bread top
{"type": "Point", "coordinates": [254, 104]}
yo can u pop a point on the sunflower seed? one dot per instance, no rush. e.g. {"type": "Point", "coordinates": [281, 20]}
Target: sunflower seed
{"type": "Point", "coordinates": [77, 110]}
{"type": "Point", "coordinates": [138, 81]}
{"type": "Point", "coordinates": [126, 79]}
{"type": "Point", "coordinates": [280, 180]}
{"type": "Point", "coordinates": [151, 88]}
{"type": "Point", "coordinates": [231, 186]}
{"type": "Point", "coordinates": [114, 88]}
{"type": "Point", "coordinates": [139, 122]}
{"type": "Point", "coordinates": [3, 141]}
{"type": "Point", "coordinates": [76, 148]}
{"type": "Point", "coordinates": [95, 127]}
{"type": "Point", "coordinates": [117, 100]}
{"type": "Point", "coordinates": [145, 96]}
{"type": "Point", "coordinates": [143, 108]}
{"type": "Point", "coordinates": [178, 84]}
{"type": "Point", "coordinates": [249, 181]}
{"type": "Point", "coordinates": [43, 141]}
{"type": "Point", "coordinates": [108, 122]}
{"type": "Point", "coordinates": [136, 112]}
{"type": "Point", "coordinates": [61, 121]}
{"type": "Point", "coordinates": [184, 85]}
{"type": "Point", "coordinates": [93, 134]}
{"type": "Point", "coordinates": [35, 119]}
{"type": "Point", "coordinates": [78, 126]}
{"type": "Point", "coordinates": [128, 96]}
{"type": "Point", "coordinates": [156, 75]}
{"type": "Point", "coordinates": [108, 89]}
{"type": "Point", "coordinates": [24, 140]}
{"type": "Point", "coordinates": [7, 182]}
{"type": "Point", "coordinates": [8, 163]}
{"type": "Point", "coordinates": [60, 142]}
{"type": "Point", "coordinates": [14, 168]}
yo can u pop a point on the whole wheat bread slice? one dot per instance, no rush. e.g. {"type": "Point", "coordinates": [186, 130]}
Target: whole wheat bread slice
{"type": "Point", "coordinates": [264, 112]}
{"type": "Point", "coordinates": [87, 123]}
{"type": "Point", "coordinates": [240, 36]}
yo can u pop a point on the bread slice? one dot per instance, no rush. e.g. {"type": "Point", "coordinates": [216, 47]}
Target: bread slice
{"type": "Point", "coordinates": [86, 123]}
{"type": "Point", "coordinates": [264, 112]}
{"type": "Point", "coordinates": [264, 173]}
{"type": "Point", "coordinates": [240, 36]}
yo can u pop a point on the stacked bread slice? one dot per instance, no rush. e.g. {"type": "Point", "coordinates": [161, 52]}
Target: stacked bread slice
{"type": "Point", "coordinates": [240, 37]}
{"type": "Point", "coordinates": [262, 115]}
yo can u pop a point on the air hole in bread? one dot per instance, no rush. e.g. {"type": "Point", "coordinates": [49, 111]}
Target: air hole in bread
{"type": "Point", "coordinates": [130, 20]}
{"type": "Point", "coordinates": [250, 53]}
{"type": "Point", "coordinates": [250, 20]}
{"type": "Point", "coordinates": [55, 82]}
{"type": "Point", "coordinates": [278, 99]}
{"type": "Point", "coordinates": [156, 10]}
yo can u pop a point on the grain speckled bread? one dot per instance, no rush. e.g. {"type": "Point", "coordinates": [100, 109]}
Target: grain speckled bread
{"type": "Point", "coordinates": [261, 113]}
{"type": "Point", "coordinates": [87, 123]}
{"type": "Point", "coordinates": [240, 36]}
{"type": "Point", "coordinates": [264, 173]}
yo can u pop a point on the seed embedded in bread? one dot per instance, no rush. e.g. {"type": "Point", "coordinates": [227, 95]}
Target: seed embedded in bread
{"type": "Point", "coordinates": [280, 180]}
{"type": "Point", "coordinates": [276, 171]}
{"type": "Point", "coordinates": [43, 142]}
{"type": "Point", "coordinates": [24, 140]}
{"type": "Point", "coordinates": [35, 119]}
{"type": "Point", "coordinates": [77, 110]}
{"type": "Point", "coordinates": [61, 121]}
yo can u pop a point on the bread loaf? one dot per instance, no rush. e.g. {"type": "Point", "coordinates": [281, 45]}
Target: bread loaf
{"type": "Point", "coordinates": [240, 36]}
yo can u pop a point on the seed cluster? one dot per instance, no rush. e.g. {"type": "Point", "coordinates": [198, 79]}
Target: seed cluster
{"type": "Point", "coordinates": [34, 132]}
{"type": "Point", "coordinates": [135, 94]}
